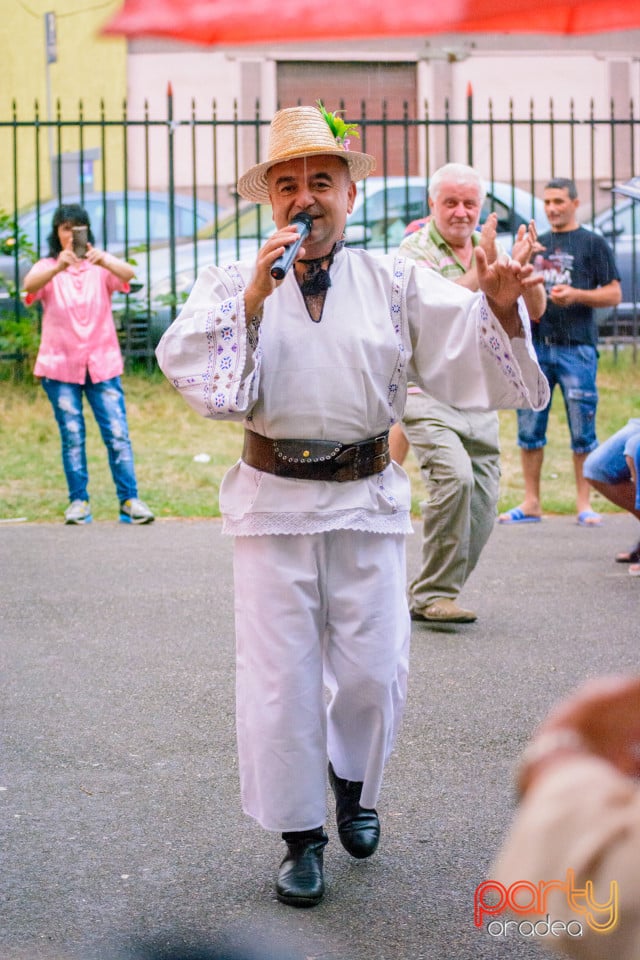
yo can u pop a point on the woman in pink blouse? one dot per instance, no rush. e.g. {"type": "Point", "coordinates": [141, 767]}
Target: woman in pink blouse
{"type": "Point", "coordinates": [80, 355]}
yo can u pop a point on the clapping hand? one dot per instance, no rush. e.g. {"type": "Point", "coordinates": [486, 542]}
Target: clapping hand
{"type": "Point", "coordinates": [526, 244]}
{"type": "Point", "coordinates": [502, 282]}
{"type": "Point", "coordinates": [488, 235]}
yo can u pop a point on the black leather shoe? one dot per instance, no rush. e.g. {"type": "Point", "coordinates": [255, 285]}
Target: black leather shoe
{"type": "Point", "coordinates": [300, 877]}
{"type": "Point", "coordinates": [358, 829]}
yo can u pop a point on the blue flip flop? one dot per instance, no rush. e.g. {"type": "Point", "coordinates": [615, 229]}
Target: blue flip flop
{"type": "Point", "coordinates": [517, 515]}
{"type": "Point", "coordinates": [589, 518]}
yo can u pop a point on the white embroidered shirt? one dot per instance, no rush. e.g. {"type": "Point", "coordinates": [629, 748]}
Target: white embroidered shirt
{"type": "Point", "coordinates": [344, 378]}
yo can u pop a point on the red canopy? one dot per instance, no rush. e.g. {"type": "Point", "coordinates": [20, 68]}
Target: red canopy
{"type": "Point", "coordinates": [276, 21]}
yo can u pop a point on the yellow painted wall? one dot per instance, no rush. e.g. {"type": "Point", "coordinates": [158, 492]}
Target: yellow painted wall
{"type": "Point", "coordinates": [89, 68]}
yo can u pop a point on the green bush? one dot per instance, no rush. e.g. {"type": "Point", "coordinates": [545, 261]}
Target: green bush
{"type": "Point", "coordinates": [19, 324]}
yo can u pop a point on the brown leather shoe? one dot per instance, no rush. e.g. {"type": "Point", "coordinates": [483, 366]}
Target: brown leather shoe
{"type": "Point", "coordinates": [444, 611]}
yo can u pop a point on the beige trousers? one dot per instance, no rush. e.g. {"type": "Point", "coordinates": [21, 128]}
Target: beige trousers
{"type": "Point", "coordinates": [459, 456]}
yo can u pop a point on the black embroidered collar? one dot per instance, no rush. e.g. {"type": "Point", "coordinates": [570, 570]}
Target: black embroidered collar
{"type": "Point", "coordinates": [316, 279]}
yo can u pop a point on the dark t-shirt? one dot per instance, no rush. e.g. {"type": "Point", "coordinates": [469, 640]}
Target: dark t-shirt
{"type": "Point", "coordinates": [580, 259]}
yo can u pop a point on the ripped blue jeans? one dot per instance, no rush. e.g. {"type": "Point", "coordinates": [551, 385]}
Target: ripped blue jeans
{"type": "Point", "coordinates": [574, 370]}
{"type": "Point", "coordinates": [106, 399]}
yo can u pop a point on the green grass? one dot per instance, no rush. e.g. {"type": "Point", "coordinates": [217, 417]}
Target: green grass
{"type": "Point", "coordinates": [167, 435]}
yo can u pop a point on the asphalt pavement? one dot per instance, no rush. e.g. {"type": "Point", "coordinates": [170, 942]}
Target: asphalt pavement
{"type": "Point", "coordinates": [118, 781]}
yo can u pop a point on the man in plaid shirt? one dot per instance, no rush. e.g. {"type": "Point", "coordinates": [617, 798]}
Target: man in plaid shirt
{"type": "Point", "coordinates": [458, 450]}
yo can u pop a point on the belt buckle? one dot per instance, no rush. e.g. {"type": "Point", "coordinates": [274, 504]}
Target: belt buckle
{"type": "Point", "coordinates": [350, 457]}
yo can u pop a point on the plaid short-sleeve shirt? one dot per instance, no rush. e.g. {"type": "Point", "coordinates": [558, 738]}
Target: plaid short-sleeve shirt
{"type": "Point", "coordinates": [428, 247]}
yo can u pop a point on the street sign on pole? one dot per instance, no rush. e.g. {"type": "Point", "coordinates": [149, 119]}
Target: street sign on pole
{"type": "Point", "coordinates": [50, 37]}
{"type": "Point", "coordinates": [51, 56]}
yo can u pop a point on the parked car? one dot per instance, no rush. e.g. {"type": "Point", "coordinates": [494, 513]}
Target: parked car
{"type": "Point", "coordinates": [384, 206]}
{"type": "Point", "coordinates": [620, 226]}
{"type": "Point", "coordinates": [120, 221]}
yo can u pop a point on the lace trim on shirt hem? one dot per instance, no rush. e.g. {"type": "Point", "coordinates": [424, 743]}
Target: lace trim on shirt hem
{"type": "Point", "coordinates": [266, 524]}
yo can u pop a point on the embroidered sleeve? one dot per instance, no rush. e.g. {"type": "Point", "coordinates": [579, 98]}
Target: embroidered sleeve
{"type": "Point", "coordinates": [209, 353]}
{"type": "Point", "coordinates": [524, 384]}
{"type": "Point", "coordinates": [460, 353]}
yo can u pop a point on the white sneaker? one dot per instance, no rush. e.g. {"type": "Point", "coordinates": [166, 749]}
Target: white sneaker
{"type": "Point", "coordinates": [78, 511]}
{"type": "Point", "coordinates": [135, 511]}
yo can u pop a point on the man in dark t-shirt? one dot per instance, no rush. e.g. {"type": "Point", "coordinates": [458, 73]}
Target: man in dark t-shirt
{"type": "Point", "coordinates": [580, 275]}
{"type": "Point", "coordinates": [576, 260]}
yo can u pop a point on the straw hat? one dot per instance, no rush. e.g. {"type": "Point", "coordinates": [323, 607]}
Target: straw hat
{"type": "Point", "coordinates": [300, 132]}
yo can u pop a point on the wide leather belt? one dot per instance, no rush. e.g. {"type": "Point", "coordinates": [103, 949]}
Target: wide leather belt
{"type": "Point", "coordinates": [316, 459]}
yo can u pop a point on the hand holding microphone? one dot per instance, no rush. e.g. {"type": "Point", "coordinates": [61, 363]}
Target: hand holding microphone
{"type": "Point", "coordinates": [303, 224]}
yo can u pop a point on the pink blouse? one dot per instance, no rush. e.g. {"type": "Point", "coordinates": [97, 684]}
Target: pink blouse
{"type": "Point", "coordinates": [78, 332]}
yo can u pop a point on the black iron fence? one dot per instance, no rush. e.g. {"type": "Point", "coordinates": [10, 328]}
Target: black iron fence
{"type": "Point", "coordinates": [161, 192]}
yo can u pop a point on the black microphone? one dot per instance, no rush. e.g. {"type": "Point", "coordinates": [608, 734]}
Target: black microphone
{"type": "Point", "coordinates": [303, 224]}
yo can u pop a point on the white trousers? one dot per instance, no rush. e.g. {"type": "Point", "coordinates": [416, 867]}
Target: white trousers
{"type": "Point", "coordinates": [314, 611]}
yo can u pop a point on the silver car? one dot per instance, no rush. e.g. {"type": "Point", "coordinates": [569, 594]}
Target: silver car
{"type": "Point", "coordinates": [620, 226]}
